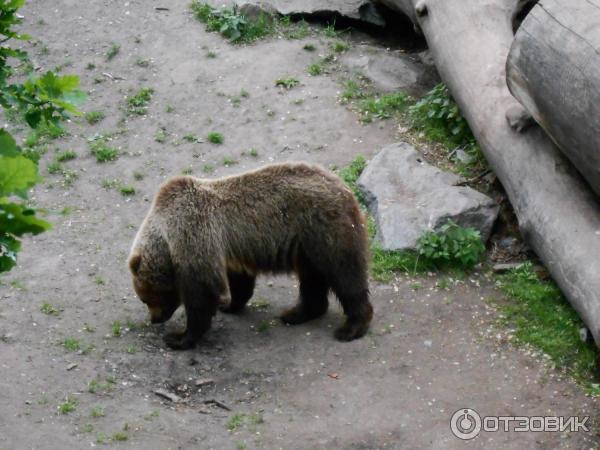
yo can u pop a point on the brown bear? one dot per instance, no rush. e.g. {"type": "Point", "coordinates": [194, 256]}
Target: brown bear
{"type": "Point", "coordinates": [204, 241]}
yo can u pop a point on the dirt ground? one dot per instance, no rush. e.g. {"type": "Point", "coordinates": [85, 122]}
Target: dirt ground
{"type": "Point", "coordinates": [430, 352]}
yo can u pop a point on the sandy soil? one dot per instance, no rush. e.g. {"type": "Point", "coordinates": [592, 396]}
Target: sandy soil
{"type": "Point", "coordinates": [430, 352]}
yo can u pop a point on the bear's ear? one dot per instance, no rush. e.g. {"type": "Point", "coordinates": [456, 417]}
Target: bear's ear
{"type": "Point", "coordinates": [134, 263]}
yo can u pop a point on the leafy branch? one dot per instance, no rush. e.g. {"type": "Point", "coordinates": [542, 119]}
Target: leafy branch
{"type": "Point", "coordinates": [43, 101]}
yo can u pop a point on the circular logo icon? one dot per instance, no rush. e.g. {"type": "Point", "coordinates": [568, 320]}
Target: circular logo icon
{"type": "Point", "coordinates": [465, 424]}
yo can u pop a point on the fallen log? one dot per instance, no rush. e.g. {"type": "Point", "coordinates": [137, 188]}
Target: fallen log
{"type": "Point", "coordinates": [553, 69]}
{"type": "Point", "coordinates": [558, 215]}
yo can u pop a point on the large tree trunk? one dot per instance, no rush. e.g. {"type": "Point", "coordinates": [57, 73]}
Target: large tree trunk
{"type": "Point", "coordinates": [553, 69]}
{"type": "Point", "coordinates": [558, 215]}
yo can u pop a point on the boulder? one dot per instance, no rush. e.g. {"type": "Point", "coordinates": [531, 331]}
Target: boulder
{"type": "Point", "coordinates": [391, 70]}
{"type": "Point", "coordinates": [255, 11]}
{"type": "Point", "coordinates": [408, 196]}
{"type": "Point", "coordinates": [362, 10]}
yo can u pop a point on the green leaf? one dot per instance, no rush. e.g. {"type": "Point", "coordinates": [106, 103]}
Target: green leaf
{"type": "Point", "coordinates": [9, 246]}
{"type": "Point", "coordinates": [18, 219]}
{"type": "Point", "coordinates": [33, 117]}
{"type": "Point", "coordinates": [8, 146]}
{"type": "Point", "coordinates": [17, 175]}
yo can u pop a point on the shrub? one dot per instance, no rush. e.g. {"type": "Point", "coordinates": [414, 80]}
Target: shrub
{"type": "Point", "coordinates": [231, 24]}
{"type": "Point", "coordinates": [43, 102]}
{"type": "Point", "coordinates": [438, 116]}
{"type": "Point", "coordinates": [452, 245]}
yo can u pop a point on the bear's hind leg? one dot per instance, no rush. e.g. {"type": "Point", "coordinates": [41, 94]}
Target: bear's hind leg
{"type": "Point", "coordinates": [313, 295]}
{"type": "Point", "coordinates": [241, 288]}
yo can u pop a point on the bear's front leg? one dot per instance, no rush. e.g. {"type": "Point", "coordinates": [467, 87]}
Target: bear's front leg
{"type": "Point", "coordinates": [198, 322]}
{"type": "Point", "coordinates": [200, 300]}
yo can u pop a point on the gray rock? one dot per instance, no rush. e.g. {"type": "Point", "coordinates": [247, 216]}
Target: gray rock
{"type": "Point", "coordinates": [391, 71]}
{"type": "Point", "coordinates": [354, 9]}
{"type": "Point", "coordinates": [408, 196]}
{"type": "Point", "coordinates": [463, 157]}
{"type": "Point", "coordinates": [253, 11]}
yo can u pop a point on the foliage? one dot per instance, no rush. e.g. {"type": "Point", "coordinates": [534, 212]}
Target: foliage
{"type": "Point", "coordinates": [43, 102]}
{"type": "Point", "coordinates": [215, 137]}
{"type": "Point", "coordinates": [385, 262]}
{"type": "Point", "coordinates": [452, 245]}
{"type": "Point", "coordinates": [66, 155]}
{"type": "Point", "coordinates": [94, 117]}
{"type": "Point", "coordinates": [68, 406]}
{"type": "Point", "coordinates": [384, 106]}
{"type": "Point", "coordinates": [352, 91]}
{"type": "Point", "coordinates": [351, 173]}
{"type": "Point", "coordinates": [315, 69]}
{"type": "Point", "coordinates": [102, 151]}
{"type": "Point", "coordinates": [72, 344]}
{"type": "Point", "coordinates": [235, 421]}
{"type": "Point", "coordinates": [231, 24]}
{"type": "Point", "coordinates": [229, 161]}
{"type": "Point", "coordinates": [542, 318]}
{"type": "Point", "coordinates": [287, 83]}
{"type": "Point", "coordinates": [138, 103]}
{"type": "Point", "coordinates": [438, 116]}
{"type": "Point", "coordinates": [127, 190]}
{"type": "Point", "coordinates": [340, 46]}
{"type": "Point", "coordinates": [49, 309]}
{"type": "Point", "coordinates": [113, 51]}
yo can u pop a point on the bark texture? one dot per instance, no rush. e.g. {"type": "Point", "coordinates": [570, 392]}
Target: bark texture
{"type": "Point", "coordinates": [553, 69]}
{"type": "Point", "coordinates": [558, 215]}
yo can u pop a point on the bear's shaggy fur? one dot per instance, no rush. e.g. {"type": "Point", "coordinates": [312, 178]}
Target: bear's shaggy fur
{"type": "Point", "coordinates": [204, 241]}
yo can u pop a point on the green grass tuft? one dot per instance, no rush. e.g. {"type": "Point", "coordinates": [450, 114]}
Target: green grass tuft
{"type": "Point", "coordinates": [542, 318]}
{"type": "Point", "coordinates": [68, 406]}
{"type": "Point", "coordinates": [49, 309]}
{"type": "Point", "coordinates": [315, 69]}
{"type": "Point", "coordinates": [66, 155]}
{"type": "Point", "coordinates": [116, 329]}
{"type": "Point", "coordinates": [351, 173]}
{"type": "Point", "coordinates": [384, 106]}
{"type": "Point", "coordinates": [229, 161]}
{"type": "Point", "coordinates": [102, 151]}
{"type": "Point", "coordinates": [126, 190]}
{"type": "Point", "coordinates": [94, 117]}
{"type": "Point", "coordinates": [54, 167]}
{"type": "Point", "coordinates": [215, 138]}
{"type": "Point", "coordinates": [119, 436]}
{"type": "Point", "coordinates": [113, 51]}
{"type": "Point", "coordinates": [72, 344]}
{"type": "Point", "coordinates": [138, 103]}
{"type": "Point", "coordinates": [340, 47]}
{"type": "Point", "coordinates": [287, 83]}
{"type": "Point", "coordinates": [231, 24]}
{"type": "Point", "coordinates": [235, 422]}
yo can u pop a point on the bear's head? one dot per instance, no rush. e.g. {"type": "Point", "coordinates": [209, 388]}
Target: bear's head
{"type": "Point", "coordinates": [154, 285]}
